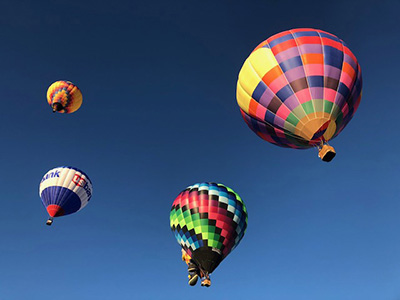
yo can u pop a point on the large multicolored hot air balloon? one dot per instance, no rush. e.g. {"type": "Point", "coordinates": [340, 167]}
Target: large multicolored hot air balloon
{"type": "Point", "coordinates": [299, 89]}
{"type": "Point", "coordinates": [64, 190]}
{"type": "Point", "coordinates": [208, 220]}
{"type": "Point", "coordinates": [64, 97]}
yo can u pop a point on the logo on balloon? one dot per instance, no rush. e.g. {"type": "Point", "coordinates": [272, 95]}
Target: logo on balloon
{"type": "Point", "coordinates": [52, 174]}
{"type": "Point", "coordinates": [80, 181]}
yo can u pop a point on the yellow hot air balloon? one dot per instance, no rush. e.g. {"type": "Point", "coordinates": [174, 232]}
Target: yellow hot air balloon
{"type": "Point", "coordinates": [64, 97]}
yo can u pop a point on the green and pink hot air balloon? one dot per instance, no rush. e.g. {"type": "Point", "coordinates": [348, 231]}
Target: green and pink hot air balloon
{"type": "Point", "coordinates": [209, 221]}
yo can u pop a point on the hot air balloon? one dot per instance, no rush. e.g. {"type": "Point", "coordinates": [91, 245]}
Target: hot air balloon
{"type": "Point", "coordinates": [64, 190]}
{"type": "Point", "coordinates": [299, 89]}
{"type": "Point", "coordinates": [64, 97]}
{"type": "Point", "coordinates": [209, 221]}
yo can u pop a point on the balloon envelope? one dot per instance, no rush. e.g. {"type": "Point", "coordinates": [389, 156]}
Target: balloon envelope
{"type": "Point", "coordinates": [65, 190]}
{"type": "Point", "coordinates": [299, 88]}
{"type": "Point", "coordinates": [64, 97]}
{"type": "Point", "coordinates": [208, 220]}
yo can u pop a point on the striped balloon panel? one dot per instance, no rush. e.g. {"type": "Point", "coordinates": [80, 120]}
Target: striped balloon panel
{"type": "Point", "coordinates": [208, 215]}
{"type": "Point", "coordinates": [299, 87]}
{"type": "Point", "coordinates": [65, 190]}
{"type": "Point", "coordinates": [67, 94]}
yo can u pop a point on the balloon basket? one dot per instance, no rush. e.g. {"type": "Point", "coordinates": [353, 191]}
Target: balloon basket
{"type": "Point", "coordinates": [206, 282]}
{"type": "Point", "coordinates": [193, 279]}
{"type": "Point", "coordinates": [57, 107]}
{"type": "Point", "coordinates": [49, 221]}
{"type": "Point", "coordinates": [327, 153]}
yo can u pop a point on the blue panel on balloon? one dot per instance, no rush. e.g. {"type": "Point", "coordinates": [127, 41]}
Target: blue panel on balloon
{"type": "Point", "coordinates": [67, 199]}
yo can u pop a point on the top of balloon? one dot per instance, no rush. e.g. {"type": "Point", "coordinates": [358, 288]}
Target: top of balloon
{"type": "Point", "coordinates": [64, 97]}
{"type": "Point", "coordinates": [299, 89]}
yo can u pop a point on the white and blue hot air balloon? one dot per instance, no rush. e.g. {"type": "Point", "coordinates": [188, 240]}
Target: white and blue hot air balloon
{"type": "Point", "coordinates": [64, 190]}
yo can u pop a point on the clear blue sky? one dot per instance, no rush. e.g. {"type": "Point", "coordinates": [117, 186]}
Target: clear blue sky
{"type": "Point", "coordinates": [159, 80]}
